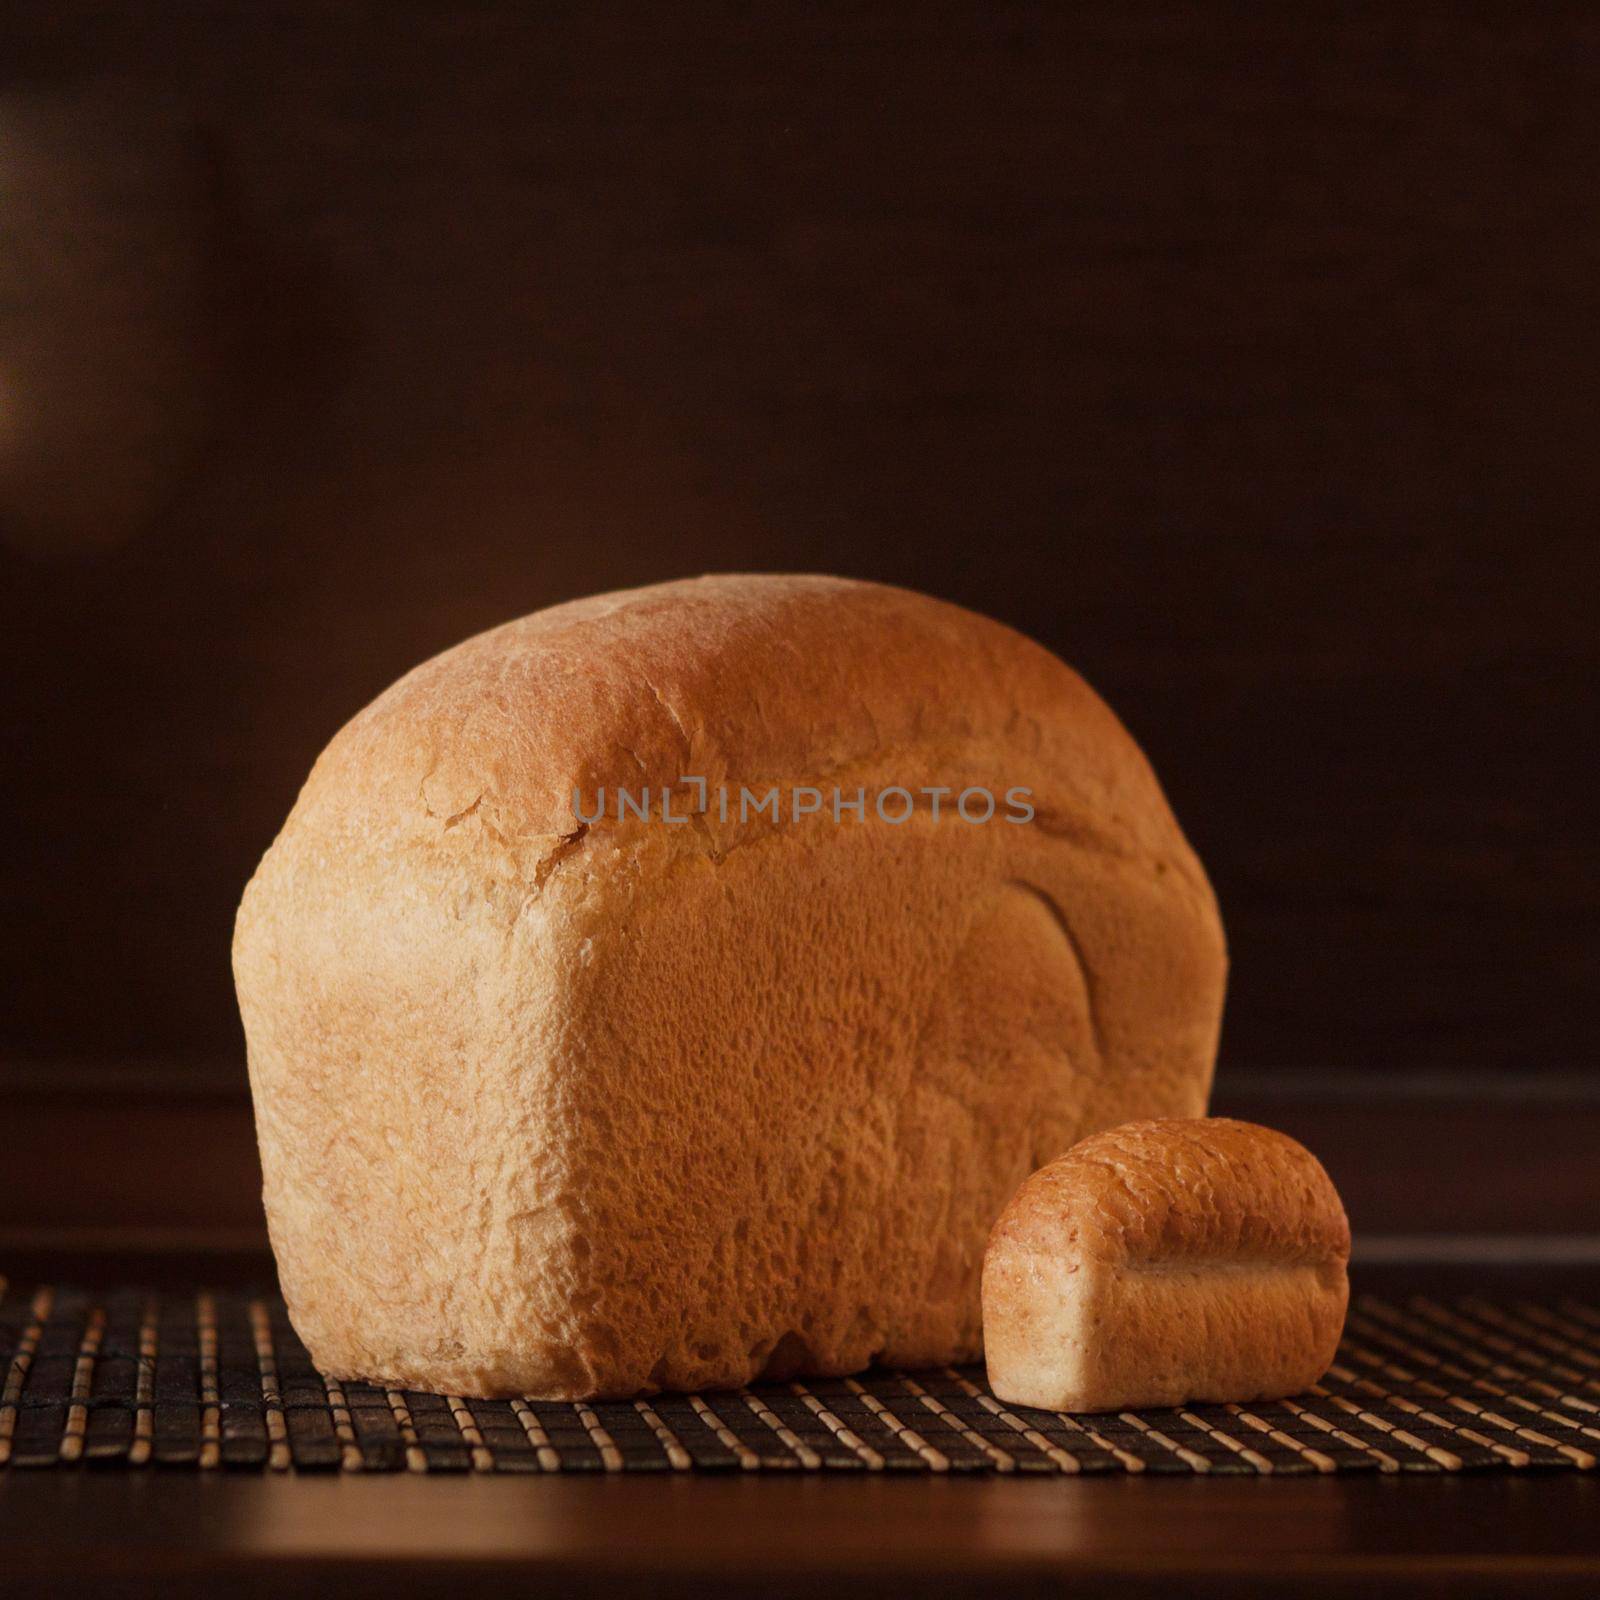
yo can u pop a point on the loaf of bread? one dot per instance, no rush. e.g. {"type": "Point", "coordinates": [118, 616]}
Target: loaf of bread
{"type": "Point", "coordinates": [559, 1099]}
{"type": "Point", "coordinates": [1165, 1262]}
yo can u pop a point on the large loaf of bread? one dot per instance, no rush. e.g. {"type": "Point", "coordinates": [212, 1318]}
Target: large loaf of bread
{"type": "Point", "coordinates": [558, 1101]}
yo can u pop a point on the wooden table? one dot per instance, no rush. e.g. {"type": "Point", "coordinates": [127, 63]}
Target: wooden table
{"type": "Point", "coordinates": [175, 1534]}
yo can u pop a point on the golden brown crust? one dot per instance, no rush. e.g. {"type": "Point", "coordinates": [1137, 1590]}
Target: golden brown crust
{"type": "Point", "coordinates": [569, 1110]}
{"type": "Point", "coordinates": [1181, 1189]}
{"type": "Point", "coordinates": [737, 679]}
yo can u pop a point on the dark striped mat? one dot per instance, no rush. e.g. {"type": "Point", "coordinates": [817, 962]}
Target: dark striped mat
{"type": "Point", "coordinates": [219, 1381]}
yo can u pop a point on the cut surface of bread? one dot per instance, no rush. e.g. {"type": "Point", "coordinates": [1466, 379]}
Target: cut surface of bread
{"type": "Point", "coordinates": [1165, 1262]}
{"type": "Point", "coordinates": [570, 1108]}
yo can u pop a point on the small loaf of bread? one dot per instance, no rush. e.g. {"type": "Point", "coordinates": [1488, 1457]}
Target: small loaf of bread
{"type": "Point", "coordinates": [1166, 1262]}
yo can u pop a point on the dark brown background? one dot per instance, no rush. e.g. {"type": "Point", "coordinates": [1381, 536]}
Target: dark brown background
{"type": "Point", "coordinates": [1246, 355]}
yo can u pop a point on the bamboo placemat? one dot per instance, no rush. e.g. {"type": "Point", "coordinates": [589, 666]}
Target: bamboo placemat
{"type": "Point", "coordinates": [210, 1381]}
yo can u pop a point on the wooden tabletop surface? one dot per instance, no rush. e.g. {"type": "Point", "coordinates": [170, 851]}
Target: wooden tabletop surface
{"type": "Point", "coordinates": [173, 1534]}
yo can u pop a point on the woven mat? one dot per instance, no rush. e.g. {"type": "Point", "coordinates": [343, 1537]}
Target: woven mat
{"type": "Point", "coordinates": [214, 1381]}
